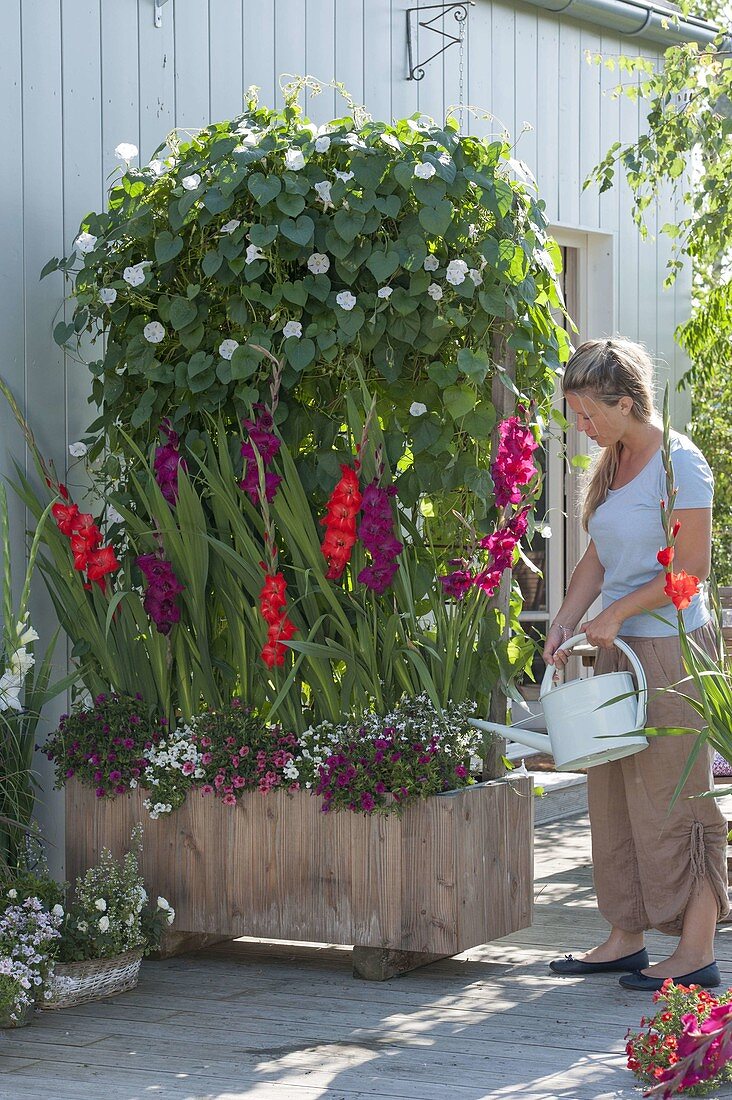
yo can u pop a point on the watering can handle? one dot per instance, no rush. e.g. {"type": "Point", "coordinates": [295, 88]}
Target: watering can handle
{"type": "Point", "coordinates": [548, 682]}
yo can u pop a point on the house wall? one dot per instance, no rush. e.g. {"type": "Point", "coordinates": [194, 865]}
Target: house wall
{"type": "Point", "coordinates": [80, 76]}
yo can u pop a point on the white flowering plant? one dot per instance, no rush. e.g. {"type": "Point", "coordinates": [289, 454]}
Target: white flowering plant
{"type": "Point", "coordinates": [28, 932]}
{"type": "Point", "coordinates": [174, 766]}
{"type": "Point", "coordinates": [109, 911]}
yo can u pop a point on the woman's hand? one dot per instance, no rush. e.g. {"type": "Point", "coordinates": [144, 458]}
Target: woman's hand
{"type": "Point", "coordinates": [552, 654]}
{"type": "Point", "coordinates": [603, 629]}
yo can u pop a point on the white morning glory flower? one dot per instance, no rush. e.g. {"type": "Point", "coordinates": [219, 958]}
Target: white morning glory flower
{"type": "Point", "coordinates": [85, 242]}
{"type": "Point", "coordinates": [431, 263]}
{"type": "Point", "coordinates": [322, 144]}
{"type": "Point", "coordinates": [354, 141]}
{"type": "Point", "coordinates": [346, 300]}
{"type": "Point", "coordinates": [101, 905]}
{"type": "Point", "coordinates": [292, 328]}
{"type": "Point", "coordinates": [456, 272]}
{"type": "Point", "coordinates": [154, 332]}
{"type": "Point", "coordinates": [345, 176]}
{"type": "Point", "coordinates": [113, 515]}
{"type": "Point", "coordinates": [545, 531]}
{"type": "Point", "coordinates": [231, 226]}
{"type": "Point", "coordinates": [318, 263]}
{"type": "Point", "coordinates": [323, 190]}
{"type": "Point", "coordinates": [78, 450]}
{"type": "Point", "coordinates": [158, 167]}
{"type": "Point", "coordinates": [227, 348]}
{"type": "Point", "coordinates": [435, 291]}
{"type": "Point", "coordinates": [108, 295]}
{"type": "Point", "coordinates": [476, 276]}
{"type": "Point", "coordinates": [126, 151]}
{"type": "Point", "coordinates": [385, 292]}
{"type": "Point", "coordinates": [294, 159]}
{"type": "Point", "coordinates": [104, 924]}
{"type": "Point", "coordinates": [135, 275]}
{"type": "Point", "coordinates": [424, 171]}
{"type": "Point", "coordinates": [191, 182]}
{"type": "Point", "coordinates": [253, 253]}
{"type": "Point", "coordinates": [417, 409]}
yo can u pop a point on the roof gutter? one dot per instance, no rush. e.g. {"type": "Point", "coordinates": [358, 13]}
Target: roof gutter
{"type": "Point", "coordinates": [634, 18]}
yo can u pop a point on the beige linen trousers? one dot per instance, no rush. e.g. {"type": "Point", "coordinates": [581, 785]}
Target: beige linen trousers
{"type": "Point", "coordinates": [649, 859]}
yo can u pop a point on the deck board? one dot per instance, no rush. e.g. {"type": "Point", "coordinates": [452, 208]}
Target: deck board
{"type": "Point", "coordinates": [288, 1022]}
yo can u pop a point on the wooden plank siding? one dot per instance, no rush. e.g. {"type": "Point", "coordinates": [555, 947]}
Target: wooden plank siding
{"type": "Point", "coordinates": [80, 76]}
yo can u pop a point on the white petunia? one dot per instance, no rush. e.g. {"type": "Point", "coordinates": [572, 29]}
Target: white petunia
{"type": "Point", "coordinates": [323, 190]}
{"type": "Point", "coordinates": [108, 295]}
{"type": "Point", "coordinates": [385, 292]}
{"type": "Point", "coordinates": [424, 171]}
{"type": "Point", "coordinates": [85, 242]}
{"type": "Point", "coordinates": [82, 926]}
{"type": "Point", "coordinates": [126, 151]}
{"type": "Point", "coordinates": [113, 515]}
{"type": "Point", "coordinates": [101, 905]}
{"type": "Point", "coordinates": [435, 291]}
{"type": "Point", "coordinates": [431, 263]}
{"type": "Point", "coordinates": [13, 893]}
{"type": "Point", "coordinates": [456, 272]}
{"type": "Point", "coordinates": [417, 409]}
{"type": "Point", "coordinates": [104, 924]}
{"type": "Point", "coordinates": [476, 276]}
{"type": "Point", "coordinates": [191, 182]}
{"type": "Point", "coordinates": [294, 159]}
{"type": "Point", "coordinates": [345, 176]}
{"type": "Point", "coordinates": [292, 328]}
{"type": "Point", "coordinates": [163, 903]}
{"type": "Point", "coordinates": [231, 226]}
{"type": "Point", "coordinates": [135, 274]}
{"type": "Point", "coordinates": [58, 910]}
{"type": "Point", "coordinates": [346, 300]}
{"type": "Point", "coordinates": [227, 348]}
{"type": "Point", "coordinates": [254, 253]}
{"type": "Point", "coordinates": [78, 450]}
{"type": "Point", "coordinates": [154, 332]}
{"type": "Point", "coordinates": [318, 263]}
{"type": "Point", "coordinates": [322, 144]}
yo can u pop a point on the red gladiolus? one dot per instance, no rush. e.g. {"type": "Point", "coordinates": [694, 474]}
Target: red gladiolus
{"type": "Point", "coordinates": [340, 523]}
{"type": "Point", "coordinates": [666, 556]}
{"type": "Point", "coordinates": [272, 604]}
{"type": "Point", "coordinates": [676, 527]}
{"type": "Point", "coordinates": [66, 517]}
{"type": "Point", "coordinates": [85, 542]}
{"type": "Point", "coordinates": [681, 588]}
{"type": "Point", "coordinates": [99, 563]}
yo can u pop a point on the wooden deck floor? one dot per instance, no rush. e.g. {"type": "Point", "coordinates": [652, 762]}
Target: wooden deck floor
{"type": "Point", "coordinates": [289, 1023]}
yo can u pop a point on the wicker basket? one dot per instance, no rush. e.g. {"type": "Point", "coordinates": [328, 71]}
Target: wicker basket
{"type": "Point", "coordinates": [78, 982]}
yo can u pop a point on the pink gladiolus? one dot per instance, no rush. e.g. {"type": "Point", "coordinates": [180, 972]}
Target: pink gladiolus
{"type": "Point", "coordinates": [514, 466]}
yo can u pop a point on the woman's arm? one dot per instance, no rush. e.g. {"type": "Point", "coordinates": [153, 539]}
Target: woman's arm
{"type": "Point", "coordinates": [692, 553]}
{"type": "Point", "coordinates": [583, 590]}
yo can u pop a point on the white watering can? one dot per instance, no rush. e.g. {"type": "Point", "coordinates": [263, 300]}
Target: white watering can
{"type": "Point", "coordinates": [577, 721]}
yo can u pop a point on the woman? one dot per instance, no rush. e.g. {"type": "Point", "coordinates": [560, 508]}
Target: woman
{"type": "Point", "coordinates": [654, 867]}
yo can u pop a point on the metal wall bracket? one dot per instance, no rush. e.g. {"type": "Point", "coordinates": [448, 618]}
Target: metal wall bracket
{"type": "Point", "coordinates": [159, 12]}
{"type": "Point", "coordinates": [460, 13]}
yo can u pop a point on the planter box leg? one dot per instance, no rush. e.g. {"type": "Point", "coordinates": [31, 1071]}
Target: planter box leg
{"type": "Point", "coordinates": [377, 964]}
{"type": "Point", "coordinates": [182, 943]}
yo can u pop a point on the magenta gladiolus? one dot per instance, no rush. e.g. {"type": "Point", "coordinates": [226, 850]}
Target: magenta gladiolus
{"type": "Point", "coordinates": [167, 463]}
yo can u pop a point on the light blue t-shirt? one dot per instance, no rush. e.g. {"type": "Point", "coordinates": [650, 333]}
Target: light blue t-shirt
{"type": "Point", "coordinates": [628, 533]}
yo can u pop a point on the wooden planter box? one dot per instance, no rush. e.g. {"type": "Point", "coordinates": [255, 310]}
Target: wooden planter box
{"type": "Point", "coordinates": [453, 872]}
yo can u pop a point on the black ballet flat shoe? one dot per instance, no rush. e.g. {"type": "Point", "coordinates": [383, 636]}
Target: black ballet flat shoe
{"type": "Point", "coordinates": [707, 976]}
{"type": "Point", "coordinates": [575, 967]}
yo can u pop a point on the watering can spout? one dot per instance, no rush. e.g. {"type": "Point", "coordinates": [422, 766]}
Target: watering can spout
{"type": "Point", "coordinates": [531, 738]}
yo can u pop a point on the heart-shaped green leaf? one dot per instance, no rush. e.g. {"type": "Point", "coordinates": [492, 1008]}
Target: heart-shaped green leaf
{"type": "Point", "coordinates": [436, 220]}
{"type": "Point", "coordinates": [382, 265]}
{"type": "Point", "coordinates": [348, 224]}
{"type": "Point", "coordinates": [300, 353]}
{"type": "Point", "coordinates": [300, 231]}
{"type": "Point", "coordinates": [211, 262]}
{"type": "Point", "coordinates": [442, 374]}
{"type": "Point", "coordinates": [167, 246]}
{"type": "Point", "coordinates": [182, 312]}
{"type": "Point", "coordinates": [264, 188]}
{"type": "Point", "coordinates": [475, 364]}
{"type": "Point", "coordinates": [290, 204]}
{"type": "Point", "coordinates": [459, 400]}
{"type": "Point", "coordinates": [263, 235]}
{"type": "Point", "coordinates": [244, 363]}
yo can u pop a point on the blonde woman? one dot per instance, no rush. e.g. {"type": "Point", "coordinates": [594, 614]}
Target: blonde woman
{"type": "Point", "coordinates": [653, 867]}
